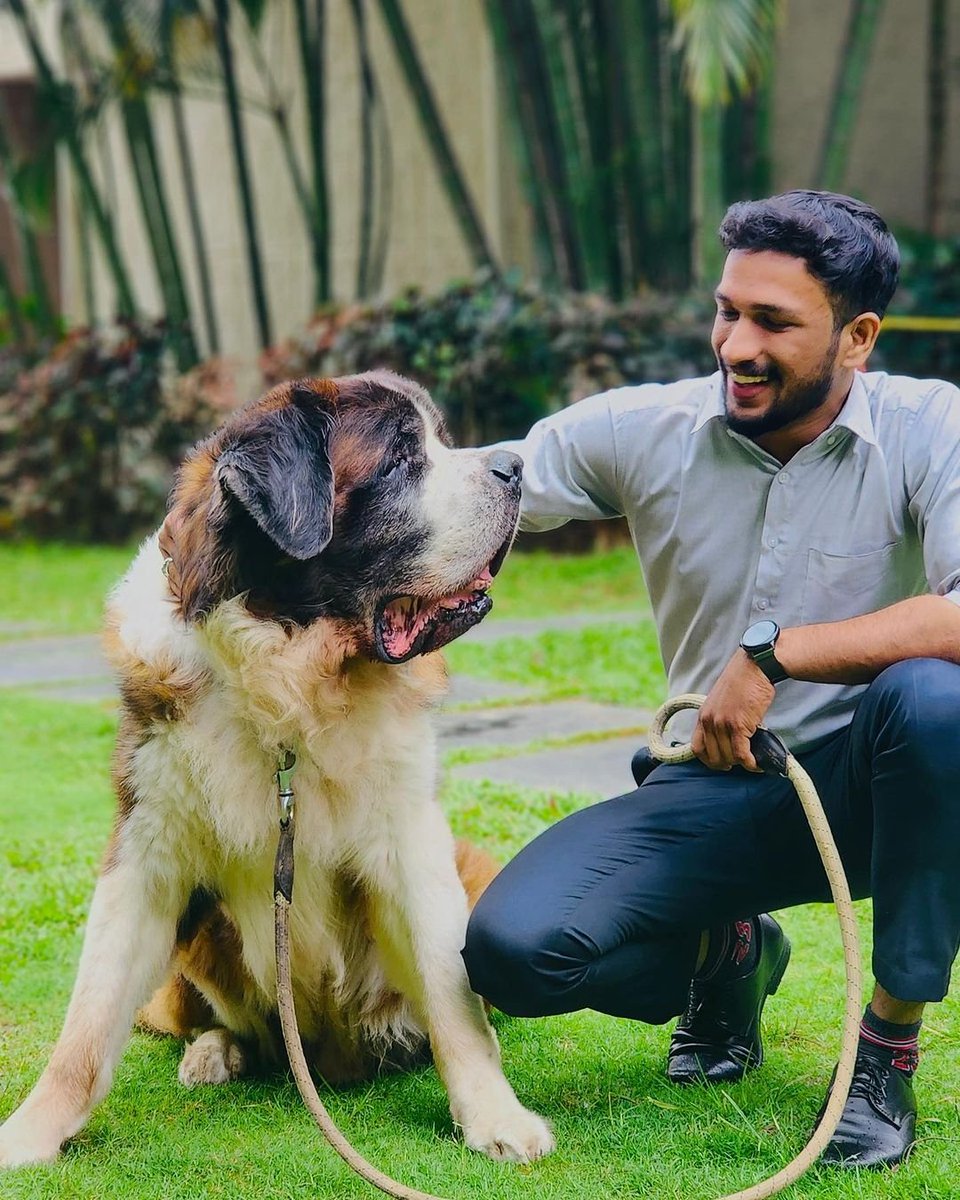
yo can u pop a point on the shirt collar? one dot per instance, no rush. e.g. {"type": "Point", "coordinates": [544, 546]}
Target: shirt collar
{"type": "Point", "coordinates": [855, 414]}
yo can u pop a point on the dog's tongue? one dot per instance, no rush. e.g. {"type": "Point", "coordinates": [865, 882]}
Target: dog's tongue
{"type": "Point", "coordinates": [405, 618]}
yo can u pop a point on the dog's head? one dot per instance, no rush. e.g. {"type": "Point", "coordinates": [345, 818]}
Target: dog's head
{"type": "Point", "coordinates": [343, 499]}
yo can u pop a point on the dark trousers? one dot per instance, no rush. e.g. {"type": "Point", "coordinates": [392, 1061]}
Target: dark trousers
{"type": "Point", "coordinates": [604, 910]}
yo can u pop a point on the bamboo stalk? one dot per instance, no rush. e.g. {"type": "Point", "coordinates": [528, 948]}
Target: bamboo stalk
{"type": "Point", "coordinates": [538, 115]}
{"type": "Point", "coordinates": [244, 182]}
{"type": "Point", "coordinates": [852, 67]}
{"type": "Point", "coordinates": [523, 135]}
{"type": "Point", "coordinates": [149, 182]}
{"type": "Point", "coordinates": [10, 305]}
{"type": "Point", "coordinates": [358, 13]}
{"type": "Point", "coordinates": [70, 133]}
{"type": "Point", "coordinates": [46, 319]}
{"type": "Point", "coordinates": [316, 231]}
{"type": "Point", "coordinates": [311, 39]}
{"type": "Point", "coordinates": [197, 233]}
{"type": "Point", "coordinates": [438, 140]}
{"type": "Point", "coordinates": [937, 75]}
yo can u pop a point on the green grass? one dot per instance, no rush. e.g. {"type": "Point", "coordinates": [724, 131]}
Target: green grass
{"type": "Point", "coordinates": [612, 663]}
{"type": "Point", "coordinates": [57, 589]}
{"type": "Point", "coordinates": [534, 582]}
{"type": "Point", "coordinates": [622, 1130]}
{"type": "Point", "coordinates": [61, 589]}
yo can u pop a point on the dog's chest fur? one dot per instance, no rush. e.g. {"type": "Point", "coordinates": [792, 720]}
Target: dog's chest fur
{"type": "Point", "coordinates": [206, 713]}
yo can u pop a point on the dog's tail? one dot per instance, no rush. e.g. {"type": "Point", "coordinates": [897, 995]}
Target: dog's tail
{"type": "Point", "coordinates": [476, 869]}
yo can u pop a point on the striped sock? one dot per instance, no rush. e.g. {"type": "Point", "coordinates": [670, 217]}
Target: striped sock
{"type": "Point", "coordinates": [899, 1041]}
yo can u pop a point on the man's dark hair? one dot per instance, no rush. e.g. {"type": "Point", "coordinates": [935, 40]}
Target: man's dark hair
{"type": "Point", "coordinates": [844, 242]}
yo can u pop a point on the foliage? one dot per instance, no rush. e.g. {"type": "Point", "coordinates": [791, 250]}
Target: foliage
{"type": "Point", "coordinates": [90, 435]}
{"type": "Point", "coordinates": [929, 287]}
{"type": "Point", "coordinates": [497, 355]}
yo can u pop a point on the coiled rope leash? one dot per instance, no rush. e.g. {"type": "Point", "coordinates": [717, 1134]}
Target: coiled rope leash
{"type": "Point", "coordinates": [775, 759]}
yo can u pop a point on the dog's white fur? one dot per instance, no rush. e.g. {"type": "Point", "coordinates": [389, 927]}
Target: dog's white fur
{"type": "Point", "coordinates": [381, 955]}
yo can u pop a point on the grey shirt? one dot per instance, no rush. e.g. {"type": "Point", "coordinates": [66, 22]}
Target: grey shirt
{"type": "Point", "coordinates": [864, 516]}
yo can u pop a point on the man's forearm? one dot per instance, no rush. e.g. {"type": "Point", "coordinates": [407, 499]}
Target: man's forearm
{"type": "Point", "coordinates": [857, 650]}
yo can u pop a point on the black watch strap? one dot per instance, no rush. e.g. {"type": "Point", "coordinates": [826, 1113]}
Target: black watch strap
{"type": "Point", "coordinates": [770, 665]}
{"type": "Point", "coordinates": [759, 641]}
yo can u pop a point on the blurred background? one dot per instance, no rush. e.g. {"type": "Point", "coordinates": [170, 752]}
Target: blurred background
{"type": "Point", "coordinates": [514, 201]}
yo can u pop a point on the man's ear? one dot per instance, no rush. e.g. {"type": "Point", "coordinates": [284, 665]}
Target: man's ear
{"type": "Point", "coordinates": [862, 334]}
{"type": "Point", "coordinates": [281, 475]}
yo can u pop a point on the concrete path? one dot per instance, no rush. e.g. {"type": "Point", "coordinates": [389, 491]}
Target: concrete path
{"type": "Point", "coordinates": [596, 760]}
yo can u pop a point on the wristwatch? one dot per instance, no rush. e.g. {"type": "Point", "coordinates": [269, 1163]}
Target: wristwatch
{"type": "Point", "coordinates": [760, 641]}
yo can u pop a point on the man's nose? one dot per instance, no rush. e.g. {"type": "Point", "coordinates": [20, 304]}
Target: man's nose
{"type": "Point", "coordinates": [506, 466]}
{"type": "Point", "coordinates": [741, 345]}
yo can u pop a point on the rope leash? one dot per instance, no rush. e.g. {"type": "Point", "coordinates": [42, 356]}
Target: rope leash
{"type": "Point", "coordinates": [771, 753]}
{"type": "Point", "coordinates": [776, 759]}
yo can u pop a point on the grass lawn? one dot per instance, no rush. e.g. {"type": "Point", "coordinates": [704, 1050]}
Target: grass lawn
{"type": "Point", "coordinates": [621, 1129]}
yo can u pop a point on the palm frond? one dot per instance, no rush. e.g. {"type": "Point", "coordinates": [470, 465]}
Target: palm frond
{"type": "Point", "coordinates": [725, 43]}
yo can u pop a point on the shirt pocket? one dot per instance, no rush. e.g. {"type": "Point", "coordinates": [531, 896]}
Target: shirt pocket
{"type": "Point", "coordinates": [837, 586]}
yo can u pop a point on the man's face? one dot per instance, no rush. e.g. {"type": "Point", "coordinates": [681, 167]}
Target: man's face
{"type": "Point", "coordinates": [775, 342]}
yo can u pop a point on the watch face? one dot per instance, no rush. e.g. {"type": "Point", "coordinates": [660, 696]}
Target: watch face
{"type": "Point", "coordinates": [763, 633]}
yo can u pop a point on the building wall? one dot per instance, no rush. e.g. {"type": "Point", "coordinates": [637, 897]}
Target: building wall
{"type": "Point", "coordinates": [886, 165]}
{"type": "Point", "coordinates": [889, 152]}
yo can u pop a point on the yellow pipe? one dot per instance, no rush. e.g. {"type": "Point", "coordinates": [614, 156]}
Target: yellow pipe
{"type": "Point", "coordinates": [923, 324]}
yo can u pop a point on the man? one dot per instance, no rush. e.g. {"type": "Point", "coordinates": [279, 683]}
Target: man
{"type": "Point", "coordinates": [798, 526]}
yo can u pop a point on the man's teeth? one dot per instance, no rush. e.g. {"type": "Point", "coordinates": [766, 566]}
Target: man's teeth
{"type": "Point", "coordinates": [750, 378]}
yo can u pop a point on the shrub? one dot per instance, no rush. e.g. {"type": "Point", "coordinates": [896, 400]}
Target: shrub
{"type": "Point", "coordinates": [496, 355]}
{"type": "Point", "coordinates": [90, 435]}
{"type": "Point", "coordinates": [929, 287]}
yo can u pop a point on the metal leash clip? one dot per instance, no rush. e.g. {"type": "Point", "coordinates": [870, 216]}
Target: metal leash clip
{"type": "Point", "coordinates": [287, 763]}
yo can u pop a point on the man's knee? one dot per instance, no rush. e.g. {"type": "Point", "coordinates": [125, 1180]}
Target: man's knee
{"type": "Point", "coordinates": [918, 702]}
{"type": "Point", "coordinates": [516, 968]}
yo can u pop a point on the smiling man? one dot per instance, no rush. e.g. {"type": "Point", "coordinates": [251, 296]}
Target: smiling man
{"type": "Point", "coordinates": [798, 525]}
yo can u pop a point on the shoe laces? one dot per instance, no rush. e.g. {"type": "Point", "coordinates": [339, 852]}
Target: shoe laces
{"type": "Point", "coordinates": [871, 1076]}
{"type": "Point", "coordinates": [870, 1080]}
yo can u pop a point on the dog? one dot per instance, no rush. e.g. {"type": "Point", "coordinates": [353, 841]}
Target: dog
{"type": "Point", "coordinates": [319, 547]}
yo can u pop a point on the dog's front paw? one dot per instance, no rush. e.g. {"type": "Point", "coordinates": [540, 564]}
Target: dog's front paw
{"type": "Point", "coordinates": [25, 1141]}
{"type": "Point", "coordinates": [511, 1134]}
{"type": "Point", "coordinates": [215, 1057]}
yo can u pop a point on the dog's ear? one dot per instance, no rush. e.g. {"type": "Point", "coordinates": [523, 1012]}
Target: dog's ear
{"type": "Point", "coordinates": [280, 472]}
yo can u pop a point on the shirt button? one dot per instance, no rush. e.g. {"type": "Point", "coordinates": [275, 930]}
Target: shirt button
{"type": "Point", "coordinates": [831, 439]}
{"type": "Point", "coordinates": [773, 542]}
{"type": "Point", "coordinates": [761, 604]}
{"type": "Point", "coordinates": [783, 477]}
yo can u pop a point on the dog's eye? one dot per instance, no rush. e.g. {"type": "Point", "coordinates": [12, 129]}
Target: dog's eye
{"type": "Point", "coordinates": [400, 458]}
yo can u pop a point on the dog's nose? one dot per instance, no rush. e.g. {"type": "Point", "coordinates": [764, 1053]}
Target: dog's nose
{"type": "Point", "coordinates": [505, 465]}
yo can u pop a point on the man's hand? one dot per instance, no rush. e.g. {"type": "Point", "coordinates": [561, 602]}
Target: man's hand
{"type": "Point", "coordinates": [736, 705]}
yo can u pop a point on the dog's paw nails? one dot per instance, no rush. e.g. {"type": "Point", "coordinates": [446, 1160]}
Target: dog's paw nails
{"type": "Point", "coordinates": [519, 1136]}
{"type": "Point", "coordinates": [215, 1057]}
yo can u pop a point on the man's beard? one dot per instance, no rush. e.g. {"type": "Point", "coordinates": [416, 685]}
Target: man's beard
{"type": "Point", "coordinates": [792, 404]}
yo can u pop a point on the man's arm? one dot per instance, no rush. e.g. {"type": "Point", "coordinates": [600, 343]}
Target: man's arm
{"type": "Point", "coordinates": [852, 651]}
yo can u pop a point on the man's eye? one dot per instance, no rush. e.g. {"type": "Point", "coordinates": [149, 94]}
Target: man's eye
{"type": "Point", "coordinates": [774, 326]}
{"type": "Point", "coordinates": [728, 314]}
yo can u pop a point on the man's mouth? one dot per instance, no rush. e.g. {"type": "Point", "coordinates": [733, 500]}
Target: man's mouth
{"type": "Point", "coordinates": [408, 625]}
{"type": "Point", "coordinates": [747, 387]}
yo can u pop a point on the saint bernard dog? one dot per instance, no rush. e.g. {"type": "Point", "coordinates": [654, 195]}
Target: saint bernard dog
{"type": "Point", "coordinates": [319, 547]}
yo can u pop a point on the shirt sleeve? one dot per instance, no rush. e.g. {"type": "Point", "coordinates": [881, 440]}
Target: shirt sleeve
{"type": "Point", "coordinates": [570, 466]}
{"type": "Point", "coordinates": [933, 477]}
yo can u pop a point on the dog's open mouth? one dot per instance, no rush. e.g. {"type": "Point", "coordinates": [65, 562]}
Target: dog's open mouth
{"type": "Point", "coordinates": [409, 625]}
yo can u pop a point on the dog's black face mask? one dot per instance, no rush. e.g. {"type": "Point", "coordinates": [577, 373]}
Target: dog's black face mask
{"type": "Point", "coordinates": [322, 509]}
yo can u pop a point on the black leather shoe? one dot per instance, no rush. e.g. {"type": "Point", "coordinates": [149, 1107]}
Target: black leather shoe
{"type": "Point", "coordinates": [717, 1040]}
{"type": "Point", "coordinates": [879, 1121]}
